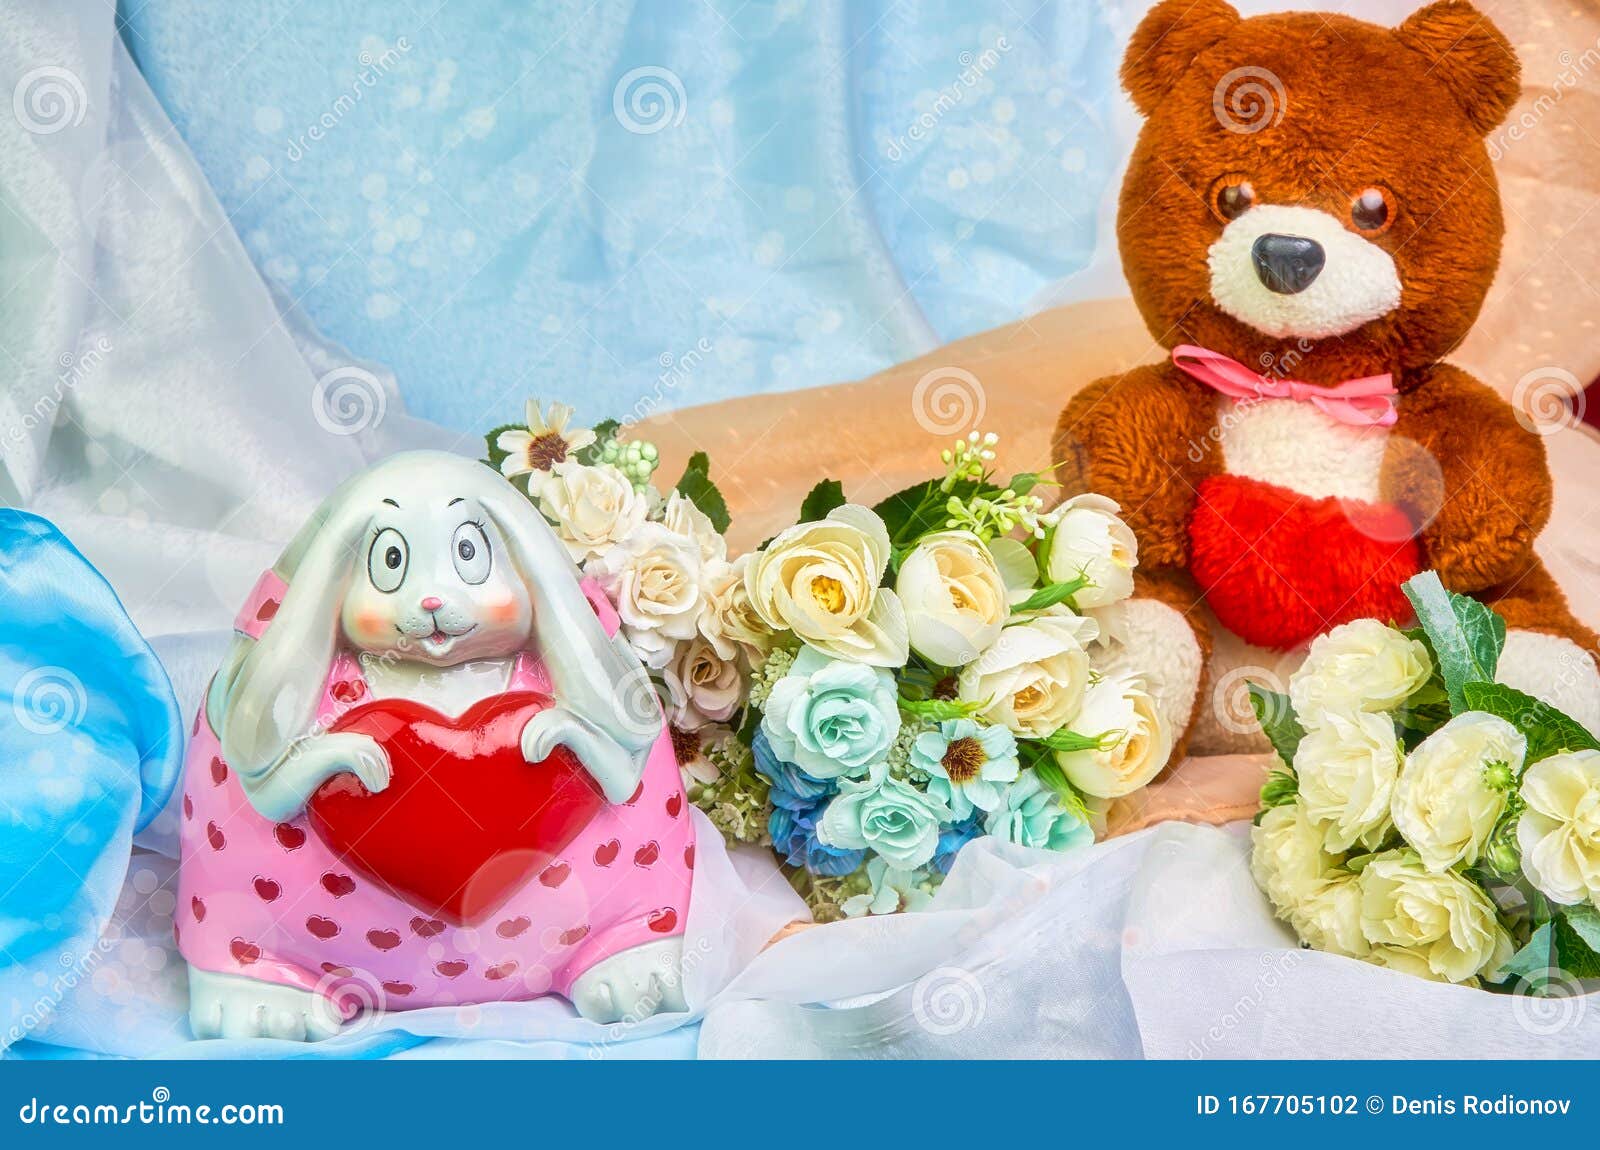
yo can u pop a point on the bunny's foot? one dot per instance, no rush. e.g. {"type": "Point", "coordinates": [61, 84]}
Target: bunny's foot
{"type": "Point", "coordinates": [634, 984]}
{"type": "Point", "coordinates": [232, 1006]}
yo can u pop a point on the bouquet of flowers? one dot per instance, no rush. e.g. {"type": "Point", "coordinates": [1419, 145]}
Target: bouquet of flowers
{"type": "Point", "coordinates": [1427, 818]}
{"type": "Point", "coordinates": [874, 687]}
{"type": "Point", "coordinates": [926, 677]}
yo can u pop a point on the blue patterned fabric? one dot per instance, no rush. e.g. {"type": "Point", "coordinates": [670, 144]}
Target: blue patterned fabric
{"type": "Point", "coordinates": [635, 207]}
{"type": "Point", "coordinates": [90, 748]}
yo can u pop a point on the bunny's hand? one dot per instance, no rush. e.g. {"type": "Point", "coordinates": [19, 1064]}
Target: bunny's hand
{"type": "Point", "coordinates": [284, 791]}
{"type": "Point", "coordinates": [608, 762]}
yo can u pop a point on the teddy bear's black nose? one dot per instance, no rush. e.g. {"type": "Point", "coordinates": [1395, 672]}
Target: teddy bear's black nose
{"type": "Point", "coordinates": [1287, 264]}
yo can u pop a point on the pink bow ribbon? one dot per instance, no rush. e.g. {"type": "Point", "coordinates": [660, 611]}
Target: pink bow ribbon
{"type": "Point", "coordinates": [1365, 402]}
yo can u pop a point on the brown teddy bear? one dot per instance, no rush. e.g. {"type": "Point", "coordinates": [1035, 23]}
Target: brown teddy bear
{"type": "Point", "coordinates": [1309, 223]}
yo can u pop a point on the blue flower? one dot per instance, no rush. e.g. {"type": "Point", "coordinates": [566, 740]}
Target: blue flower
{"type": "Point", "coordinates": [1032, 816]}
{"type": "Point", "coordinates": [831, 718]}
{"type": "Point", "coordinates": [794, 836]}
{"type": "Point", "coordinates": [791, 787]}
{"type": "Point", "coordinates": [952, 839]}
{"type": "Point", "coordinates": [968, 764]}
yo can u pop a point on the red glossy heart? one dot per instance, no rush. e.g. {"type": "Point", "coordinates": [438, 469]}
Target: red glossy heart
{"type": "Point", "coordinates": [465, 820]}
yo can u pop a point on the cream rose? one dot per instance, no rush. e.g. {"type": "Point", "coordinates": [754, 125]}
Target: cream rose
{"type": "Point", "coordinates": [1118, 706]}
{"type": "Point", "coordinates": [728, 619]}
{"type": "Point", "coordinates": [702, 687]}
{"type": "Point", "coordinates": [820, 580]}
{"type": "Point", "coordinates": [1032, 678]}
{"type": "Point", "coordinates": [1347, 770]}
{"type": "Point", "coordinates": [1088, 539]}
{"type": "Point", "coordinates": [954, 597]}
{"type": "Point", "coordinates": [593, 507]}
{"type": "Point", "coordinates": [1559, 832]}
{"type": "Point", "coordinates": [654, 577]}
{"type": "Point", "coordinates": [1454, 787]}
{"type": "Point", "coordinates": [681, 515]}
{"type": "Point", "coordinates": [1287, 857]}
{"type": "Point", "coordinates": [1445, 920]}
{"type": "Point", "coordinates": [1329, 918]}
{"type": "Point", "coordinates": [1360, 666]}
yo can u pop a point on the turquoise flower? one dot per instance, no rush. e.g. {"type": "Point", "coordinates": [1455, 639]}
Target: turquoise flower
{"type": "Point", "coordinates": [1032, 816]}
{"type": "Point", "coordinates": [968, 764]}
{"type": "Point", "coordinates": [885, 815]}
{"type": "Point", "coordinates": [830, 718]}
{"type": "Point", "coordinates": [893, 890]}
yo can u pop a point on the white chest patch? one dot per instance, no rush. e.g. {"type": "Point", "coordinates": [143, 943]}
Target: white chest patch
{"type": "Point", "coordinates": [1292, 444]}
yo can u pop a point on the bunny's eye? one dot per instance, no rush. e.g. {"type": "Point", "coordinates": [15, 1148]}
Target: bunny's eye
{"type": "Point", "coordinates": [386, 561]}
{"type": "Point", "coordinates": [469, 551]}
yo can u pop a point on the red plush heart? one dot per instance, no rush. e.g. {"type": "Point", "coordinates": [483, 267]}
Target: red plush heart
{"type": "Point", "coordinates": [465, 820]}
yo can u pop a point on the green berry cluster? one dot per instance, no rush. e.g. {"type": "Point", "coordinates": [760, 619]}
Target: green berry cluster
{"type": "Point", "coordinates": [637, 459]}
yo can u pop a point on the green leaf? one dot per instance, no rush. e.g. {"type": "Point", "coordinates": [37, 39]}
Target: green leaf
{"type": "Point", "coordinates": [696, 486]}
{"type": "Point", "coordinates": [1051, 595]}
{"type": "Point", "coordinates": [605, 430]}
{"type": "Point", "coordinates": [1465, 635]}
{"type": "Point", "coordinates": [1576, 945]}
{"type": "Point", "coordinates": [1024, 482]}
{"type": "Point", "coordinates": [822, 498]}
{"type": "Point", "coordinates": [938, 710]}
{"type": "Point", "coordinates": [1072, 741]}
{"type": "Point", "coordinates": [1053, 777]}
{"type": "Point", "coordinates": [1280, 789]}
{"type": "Point", "coordinates": [1276, 715]}
{"type": "Point", "coordinates": [495, 455]}
{"type": "Point", "coordinates": [1547, 730]}
{"type": "Point", "coordinates": [1532, 962]}
{"type": "Point", "coordinates": [1584, 921]}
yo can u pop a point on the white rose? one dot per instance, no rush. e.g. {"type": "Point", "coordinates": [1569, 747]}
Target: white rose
{"type": "Point", "coordinates": [954, 597]}
{"type": "Point", "coordinates": [1559, 832]}
{"type": "Point", "coordinates": [1033, 677]}
{"type": "Point", "coordinates": [1445, 920]}
{"type": "Point", "coordinates": [1329, 918]}
{"type": "Point", "coordinates": [1287, 857]}
{"type": "Point", "coordinates": [593, 507]}
{"type": "Point", "coordinates": [681, 515]}
{"type": "Point", "coordinates": [820, 580]}
{"type": "Point", "coordinates": [654, 577]}
{"type": "Point", "coordinates": [702, 687]}
{"type": "Point", "coordinates": [728, 619]}
{"type": "Point", "coordinates": [1405, 961]}
{"type": "Point", "coordinates": [1118, 704]}
{"type": "Point", "coordinates": [1347, 770]}
{"type": "Point", "coordinates": [1446, 804]}
{"type": "Point", "coordinates": [1361, 666]}
{"type": "Point", "coordinates": [1087, 538]}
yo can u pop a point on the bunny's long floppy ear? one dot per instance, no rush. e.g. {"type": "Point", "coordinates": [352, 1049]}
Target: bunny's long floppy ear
{"type": "Point", "coordinates": [278, 681]}
{"type": "Point", "coordinates": [596, 676]}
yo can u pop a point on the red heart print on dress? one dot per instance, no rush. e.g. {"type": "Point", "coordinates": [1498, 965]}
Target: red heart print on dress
{"type": "Point", "coordinates": [426, 927]}
{"type": "Point", "coordinates": [338, 885]}
{"type": "Point", "coordinates": [267, 890]}
{"type": "Point", "coordinates": [384, 939]}
{"type": "Point", "coordinates": [267, 611]}
{"type": "Point", "coordinates": [451, 968]}
{"type": "Point", "coordinates": [555, 874]}
{"type": "Point", "coordinates": [290, 838]}
{"type": "Point", "coordinates": [198, 907]}
{"type": "Point", "coordinates": [576, 935]}
{"type": "Point", "coordinates": [244, 953]}
{"type": "Point", "coordinates": [674, 804]}
{"type": "Point", "coordinates": [214, 837]}
{"type": "Point", "coordinates": [323, 928]}
{"type": "Point", "coordinates": [606, 853]}
{"type": "Point", "coordinates": [662, 921]}
{"type": "Point", "coordinates": [219, 771]}
{"type": "Point", "coordinates": [512, 927]}
{"type": "Point", "coordinates": [503, 970]}
{"type": "Point", "coordinates": [647, 854]}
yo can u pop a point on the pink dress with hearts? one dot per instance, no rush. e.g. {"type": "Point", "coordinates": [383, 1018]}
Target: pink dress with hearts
{"type": "Point", "coordinates": [271, 900]}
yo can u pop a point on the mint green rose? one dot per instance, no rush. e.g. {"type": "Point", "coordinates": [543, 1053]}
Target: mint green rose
{"type": "Point", "coordinates": [885, 815]}
{"type": "Point", "coordinates": [830, 718]}
{"type": "Point", "coordinates": [1032, 816]}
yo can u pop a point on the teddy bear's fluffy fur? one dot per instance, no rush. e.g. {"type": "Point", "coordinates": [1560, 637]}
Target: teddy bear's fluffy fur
{"type": "Point", "coordinates": [1342, 106]}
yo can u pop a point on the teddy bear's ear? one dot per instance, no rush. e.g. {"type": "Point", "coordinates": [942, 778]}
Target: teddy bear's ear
{"type": "Point", "coordinates": [1167, 41]}
{"type": "Point", "coordinates": [1469, 55]}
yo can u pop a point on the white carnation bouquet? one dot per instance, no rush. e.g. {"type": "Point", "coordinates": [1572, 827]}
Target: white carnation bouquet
{"type": "Point", "coordinates": [1427, 818]}
{"type": "Point", "coordinates": [875, 686]}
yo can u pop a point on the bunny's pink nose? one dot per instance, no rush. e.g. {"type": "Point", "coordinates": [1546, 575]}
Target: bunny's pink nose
{"type": "Point", "coordinates": [432, 604]}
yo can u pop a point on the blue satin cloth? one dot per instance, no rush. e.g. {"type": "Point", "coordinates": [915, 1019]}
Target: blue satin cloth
{"type": "Point", "coordinates": [91, 744]}
{"type": "Point", "coordinates": [638, 206]}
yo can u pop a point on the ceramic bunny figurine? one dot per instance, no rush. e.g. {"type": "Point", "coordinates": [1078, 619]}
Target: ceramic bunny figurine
{"type": "Point", "coordinates": [427, 774]}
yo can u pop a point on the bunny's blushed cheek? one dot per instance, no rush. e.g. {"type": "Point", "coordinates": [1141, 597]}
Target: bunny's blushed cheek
{"type": "Point", "coordinates": [371, 624]}
{"type": "Point", "coordinates": [503, 609]}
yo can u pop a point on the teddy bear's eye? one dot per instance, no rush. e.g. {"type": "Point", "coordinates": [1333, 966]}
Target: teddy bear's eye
{"type": "Point", "coordinates": [1231, 197]}
{"type": "Point", "coordinates": [1372, 210]}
